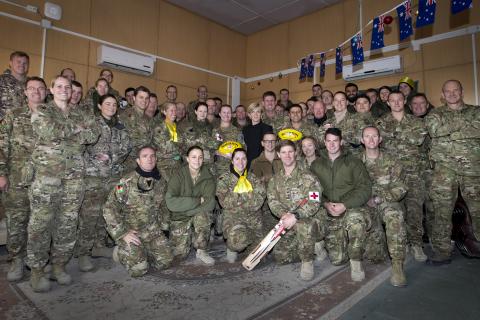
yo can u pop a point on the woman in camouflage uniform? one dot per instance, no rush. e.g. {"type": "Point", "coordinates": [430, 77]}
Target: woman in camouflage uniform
{"type": "Point", "coordinates": [241, 200]}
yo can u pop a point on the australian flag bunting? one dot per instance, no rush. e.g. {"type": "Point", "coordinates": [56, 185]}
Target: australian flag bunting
{"type": "Point", "coordinates": [426, 12]}
{"type": "Point", "coordinates": [357, 49]}
{"type": "Point", "coordinates": [303, 69]}
{"type": "Point", "coordinates": [310, 66]}
{"type": "Point", "coordinates": [322, 64]}
{"type": "Point", "coordinates": [460, 5]}
{"type": "Point", "coordinates": [404, 12]}
{"type": "Point", "coordinates": [338, 60]}
{"type": "Point", "coordinates": [377, 33]}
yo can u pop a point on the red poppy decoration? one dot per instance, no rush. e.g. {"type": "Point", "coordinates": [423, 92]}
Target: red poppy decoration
{"type": "Point", "coordinates": [387, 19]}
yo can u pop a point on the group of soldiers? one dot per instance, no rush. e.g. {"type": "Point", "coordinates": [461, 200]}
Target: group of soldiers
{"type": "Point", "coordinates": [351, 176]}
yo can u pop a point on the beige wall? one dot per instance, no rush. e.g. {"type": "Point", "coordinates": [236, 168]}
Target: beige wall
{"type": "Point", "coordinates": [280, 47]}
{"type": "Point", "coordinates": [151, 26]}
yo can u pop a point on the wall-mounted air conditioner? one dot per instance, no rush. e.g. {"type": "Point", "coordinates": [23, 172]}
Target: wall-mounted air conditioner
{"type": "Point", "coordinates": [373, 68]}
{"type": "Point", "coordinates": [125, 60]}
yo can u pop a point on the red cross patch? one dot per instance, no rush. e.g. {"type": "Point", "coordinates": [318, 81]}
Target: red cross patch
{"type": "Point", "coordinates": [313, 196]}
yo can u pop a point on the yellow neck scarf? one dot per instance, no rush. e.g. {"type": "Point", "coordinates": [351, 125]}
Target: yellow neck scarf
{"type": "Point", "coordinates": [172, 128]}
{"type": "Point", "coordinates": [243, 185]}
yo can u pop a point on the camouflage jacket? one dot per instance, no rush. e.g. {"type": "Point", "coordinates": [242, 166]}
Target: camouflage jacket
{"type": "Point", "coordinates": [248, 203]}
{"type": "Point", "coordinates": [139, 128]}
{"type": "Point", "coordinates": [351, 125]}
{"type": "Point", "coordinates": [60, 141]}
{"type": "Point", "coordinates": [276, 122]}
{"type": "Point", "coordinates": [306, 128]}
{"type": "Point", "coordinates": [183, 195]}
{"type": "Point", "coordinates": [285, 193]}
{"type": "Point", "coordinates": [456, 138]}
{"type": "Point", "coordinates": [11, 92]}
{"type": "Point", "coordinates": [115, 143]}
{"type": "Point", "coordinates": [403, 138]}
{"type": "Point", "coordinates": [200, 134]}
{"type": "Point", "coordinates": [166, 148]}
{"type": "Point", "coordinates": [135, 204]}
{"type": "Point", "coordinates": [16, 141]}
{"type": "Point", "coordinates": [387, 177]}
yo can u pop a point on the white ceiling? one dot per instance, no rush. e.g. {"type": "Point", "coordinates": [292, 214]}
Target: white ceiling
{"type": "Point", "coordinates": [250, 16]}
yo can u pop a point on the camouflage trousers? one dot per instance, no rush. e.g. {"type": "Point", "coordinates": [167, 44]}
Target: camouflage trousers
{"type": "Point", "coordinates": [444, 193]}
{"type": "Point", "coordinates": [154, 252]}
{"type": "Point", "coordinates": [297, 244]}
{"type": "Point", "coordinates": [17, 211]}
{"type": "Point", "coordinates": [393, 238]}
{"type": "Point", "coordinates": [429, 211]}
{"type": "Point", "coordinates": [52, 229]}
{"type": "Point", "coordinates": [413, 202]}
{"type": "Point", "coordinates": [242, 230]}
{"type": "Point", "coordinates": [320, 219]}
{"type": "Point", "coordinates": [91, 224]}
{"type": "Point", "coordinates": [345, 235]}
{"type": "Point", "coordinates": [195, 230]}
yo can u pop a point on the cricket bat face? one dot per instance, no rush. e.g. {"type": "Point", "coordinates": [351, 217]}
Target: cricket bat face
{"type": "Point", "coordinates": [264, 246]}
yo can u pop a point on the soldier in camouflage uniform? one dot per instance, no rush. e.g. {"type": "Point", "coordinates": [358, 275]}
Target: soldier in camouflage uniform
{"type": "Point", "coordinates": [241, 197]}
{"type": "Point", "coordinates": [134, 219]}
{"type": "Point", "coordinates": [455, 151]}
{"type": "Point", "coordinates": [387, 191]}
{"type": "Point", "coordinates": [202, 94]}
{"type": "Point", "coordinates": [346, 190]}
{"type": "Point", "coordinates": [90, 102]}
{"type": "Point", "coordinates": [106, 74]}
{"type": "Point", "coordinates": [169, 141]}
{"type": "Point", "coordinates": [191, 198]}
{"type": "Point", "coordinates": [139, 126]}
{"type": "Point", "coordinates": [57, 190]}
{"type": "Point", "coordinates": [296, 122]}
{"type": "Point", "coordinates": [269, 115]}
{"type": "Point", "coordinates": [403, 135]}
{"type": "Point", "coordinates": [16, 145]}
{"type": "Point", "coordinates": [104, 163]}
{"type": "Point", "coordinates": [12, 82]}
{"type": "Point", "coordinates": [294, 197]}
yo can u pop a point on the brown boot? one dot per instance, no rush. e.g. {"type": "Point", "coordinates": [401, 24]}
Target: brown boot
{"type": "Point", "coordinates": [398, 278]}
{"type": "Point", "coordinates": [59, 274]}
{"type": "Point", "coordinates": [38, 282]}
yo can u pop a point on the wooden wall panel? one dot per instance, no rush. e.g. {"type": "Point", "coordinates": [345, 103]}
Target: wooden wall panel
{"type": "Point", "coordinates": [226, 50]}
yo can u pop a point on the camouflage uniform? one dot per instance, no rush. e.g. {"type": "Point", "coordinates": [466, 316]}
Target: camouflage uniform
{"type": "Point", "coordinates": [306, 128]}
{"type": "Point", "coordinates": [387, 178]}
{"type": "Point", "coordinates": [200, 134]}
{"type": "Point", "coordinates": [351, 125]}
{"type": "Point", "coordinates": [284, 195]}
{"type": "Point", "coordinates": [276, 122]}
{"type": "Point", "coordinates": [242, 216]}
{"type": "Point", "coordinates": [16, 145]}
{"type": "Point", "coordinates": [455, 152]}
{"type": "Point", "coordinates": [169, 152]}
{"type": "Point", "coordinates": [134, 204]}
{"type": "Point", "coordinates": [221, 135]}
{"type": "Point", "coordinates": [57, 190]}
{"type": "Point", "coordinates": [264, 170]}
{"type": "Point", "coordinates": [404, 140]}
{"type": "Point", "coordinates": [187, 213]}
{"type": "Point", "coordinates": [100, 177]}
{"type": "Point", "coordinates": [11, 92]}
{"type": "Point", "coordinates": [139, 128]}
{"type": "Point", "coordinates": [344, 181]}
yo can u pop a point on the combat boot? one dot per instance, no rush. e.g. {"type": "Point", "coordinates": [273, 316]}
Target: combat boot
{"type": "Point", "coordinates": [203, 256]}
{"type": "Point", "coordinates": [320, 252]}
{"type": "Point", "coordinates": [59, 274]}
{"type": "Point", "coordinates": [15, 272]}
{"type": "Point", "coordinates": [418, 254]}
{"type": "Point", "coordinates": [231, 256]}
{"type": "Point", "coordinates": [102, 252]}
{"type": "Point", "coordinates": [85, 263]}
{"type": "Point", "coordinates": [356, 270]}
{"type": "Point", "coordinates": [38, 282]}
{"type": "Point", "coordinates": [306, 270]}
{"type": "Point", "coordinates": [398, 278]}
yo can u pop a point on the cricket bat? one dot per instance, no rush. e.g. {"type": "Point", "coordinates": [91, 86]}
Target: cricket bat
{"type": "Point", "coordinates": [267, 243]}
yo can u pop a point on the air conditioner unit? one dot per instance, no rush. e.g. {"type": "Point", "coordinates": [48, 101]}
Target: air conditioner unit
{"type": "Point", "coordinates": [373, 68]}
{"type": "Point", "coordinates": [125, 60]}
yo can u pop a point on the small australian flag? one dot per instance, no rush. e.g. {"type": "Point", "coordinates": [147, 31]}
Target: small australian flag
{"type": "Point", "coordinates": [357, 49]}
{"type": "Point", "coordinates": [310, 66]}
{"type": "Point", "coordinates": [338, 60]}
{"type": "Point", "coordinates": [303, 69]}
{"type": "Point", "coordinates": [426, 13]}
{"type": "Point", "coordinates": [377, 33]}
{"type": "Point", "coordinates": [404, 12]}
{"type": "Point", "coordinates": [322, 64]}
{"type": "Point", "coordinates": [460, 5]}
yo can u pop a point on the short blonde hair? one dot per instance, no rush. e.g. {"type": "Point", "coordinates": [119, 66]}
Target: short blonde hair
{"type": "Point", "coordinates": [255, 106]}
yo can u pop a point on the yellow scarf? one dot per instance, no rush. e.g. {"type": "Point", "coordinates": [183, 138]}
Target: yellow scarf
{"type": "Point", "coordinates": [243, 185]}
{"type": "Point", "coordinates": [172, 128]}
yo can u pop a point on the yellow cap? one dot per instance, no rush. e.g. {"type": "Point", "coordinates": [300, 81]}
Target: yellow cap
{"type": "Point", "coordinates": [228, 147]}
{"type": "Point", "coordinates": [290, 134]}
{"type": "Point", "coordinates": [408, 81]}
